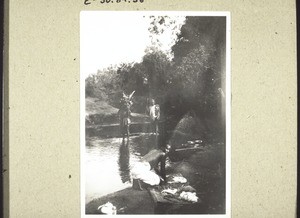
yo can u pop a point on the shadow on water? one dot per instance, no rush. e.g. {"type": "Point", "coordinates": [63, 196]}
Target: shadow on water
{"type": "Point", "coordinates": [149, 142]}
{"type": "Point", "coordinates": [108, 162]}
{"type": "Point", "coordinates": [124, 164]}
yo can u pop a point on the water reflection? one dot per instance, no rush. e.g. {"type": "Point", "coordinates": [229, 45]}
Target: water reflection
{"type": "Point", "coordinates": [108, 161]}
{"type": "Point", "coordinates": [142, 145]}
{"type": "Point", "coordinates": [124, 166]}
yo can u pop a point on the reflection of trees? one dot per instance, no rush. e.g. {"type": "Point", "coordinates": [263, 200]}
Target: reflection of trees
{"type": "Point", "coordinates": [124, 167]}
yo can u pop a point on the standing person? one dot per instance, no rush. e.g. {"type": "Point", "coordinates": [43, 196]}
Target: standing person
{"type": "Point", "coordinates": [125, 114]}
{"type": "Point", "coordinates": [154, 112]}
{"type": "Point", "coordinates": [145, 172]}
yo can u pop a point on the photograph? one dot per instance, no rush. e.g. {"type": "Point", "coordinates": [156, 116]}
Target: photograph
{"type": "Point", "coordinates": [155, 113]}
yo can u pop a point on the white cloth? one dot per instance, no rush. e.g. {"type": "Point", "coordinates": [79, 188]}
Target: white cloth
{"type": "Point", "coordinates": [189, 196]}
{"type": "Point", "coordinates": [142, 171]}
{"type": "Point", "coordinates": [154, 112]}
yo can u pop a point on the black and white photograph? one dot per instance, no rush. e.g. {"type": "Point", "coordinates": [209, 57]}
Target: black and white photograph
{"type": "Point", "coordinates": [155, 113]}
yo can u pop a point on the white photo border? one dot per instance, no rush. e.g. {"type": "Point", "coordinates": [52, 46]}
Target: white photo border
{"type": "Point", "coordinates": [228, 105]}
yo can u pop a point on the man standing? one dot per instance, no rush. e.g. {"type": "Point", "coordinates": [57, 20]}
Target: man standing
{"type": "Point", "coordinates": [125, 113]}
{"type": "Point", "coordinates": [154, 112]}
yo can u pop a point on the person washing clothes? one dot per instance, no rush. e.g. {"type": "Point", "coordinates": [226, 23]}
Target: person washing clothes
{"type": "Point", "coordinates": [143, 172]}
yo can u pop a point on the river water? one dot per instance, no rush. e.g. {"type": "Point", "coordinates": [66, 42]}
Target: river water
{"type": "Point", "coordinates": [108, 161]}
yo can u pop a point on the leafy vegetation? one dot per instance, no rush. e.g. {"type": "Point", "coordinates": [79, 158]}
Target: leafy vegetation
{"type": "Point", "coordinates": [190, 76]}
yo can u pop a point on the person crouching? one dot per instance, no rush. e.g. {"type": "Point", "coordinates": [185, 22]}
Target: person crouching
{"type": "Point", "coordinates": [145, 173]}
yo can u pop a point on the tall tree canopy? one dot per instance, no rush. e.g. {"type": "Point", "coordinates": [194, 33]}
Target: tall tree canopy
{"type": "Point", "coordinates": [198, 67]}
{"type": "Point", "coordinates": [188, 76]}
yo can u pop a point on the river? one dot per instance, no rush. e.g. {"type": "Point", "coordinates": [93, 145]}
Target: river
{"type": "Point", "coordinates": [107, 162]}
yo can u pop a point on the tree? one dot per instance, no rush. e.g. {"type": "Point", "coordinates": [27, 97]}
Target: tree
{"type": "Point", "coordinates": [103, 85]}
{"type": "Point", "coordinates": [199, 62]}
{"type": "Point", "coordinates": [163, 32]}
{"type": "Point", "coordinates": [157, 67]}
{"type": "Point", "coordinates": [207, 31]}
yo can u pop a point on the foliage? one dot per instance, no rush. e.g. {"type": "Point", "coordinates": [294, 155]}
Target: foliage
{"type": "Point", "coordinates": [104, 85]}
{"type": "Point", "coordinates": [199, 62]}
{"type": "Point", "coordinates": [187, 76]}
{"type": "Point", "coordinates": [164, 32]}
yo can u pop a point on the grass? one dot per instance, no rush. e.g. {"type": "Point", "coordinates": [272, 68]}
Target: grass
{"type": "Point", "coordinates": [95, 106]}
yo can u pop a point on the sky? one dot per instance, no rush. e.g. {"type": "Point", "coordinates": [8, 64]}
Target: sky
{"type": "Point", "coordinates": [109, 38]}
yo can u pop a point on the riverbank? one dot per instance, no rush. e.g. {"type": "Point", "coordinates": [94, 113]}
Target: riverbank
{"type": "Point", "coordinates": [204, 170]}
{"type": "Point", "coordinates": [203, 167]}
{"type": "Point", "coordinates": [127, 201]}
{"type": "Point", "coordinates": [101, 113]}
